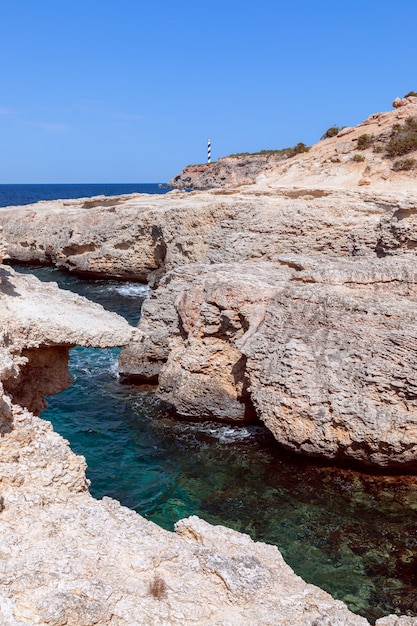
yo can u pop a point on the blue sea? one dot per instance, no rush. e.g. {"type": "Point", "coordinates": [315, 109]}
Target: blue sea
{"type": "Point", "coordinates": [349, 532]}
{"type": "Point", "coordinates": [13, 195]}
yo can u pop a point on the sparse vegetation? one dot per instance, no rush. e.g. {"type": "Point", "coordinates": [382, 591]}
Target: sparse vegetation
{"type": "Point", "coordinates": [282, 152]}
{"type": "Point", "coordinates": [297, 149]}
{"type": "Point", "coordinates": [403, 138]}
{"type": "Point", "coordinates": [404, 165]}
{"type": "Point", "coordinates": [157, 588]}
{"type": "Point", "coordinates": [330, 132]}
{"type": "Point", "coordinates": [411, 93]}
{"type": "Point", "coordinates": [364, 141]}
{"type": "Point", "coordinates": [378, 149]}
{"type": "Point", "coordinates": [358, 158]}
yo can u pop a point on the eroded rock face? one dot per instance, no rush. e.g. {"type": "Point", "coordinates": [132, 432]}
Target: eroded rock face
{"type": "Point", "coordinates": [66, 558]}
{"type": "Point", "coordinates": [226, 172]}
{"type": "Point", "coordinates": [142, 237]}
{"type": "Point", "coordinates": [324, 351]}
{"type": "Point", "coordinates": [3, 246]}
{"type": "Point", "coordinates": [39, 324]}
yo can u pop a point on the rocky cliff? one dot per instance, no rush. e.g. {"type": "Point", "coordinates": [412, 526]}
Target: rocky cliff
{"type": "Point", "coordinates": [143, 237]}
{"type": "Point", "coordinates": [322, 351]}
{"type": "Point", "coordinates": [66, 558]}
{"type": "Point", "coordinates": [231, 171]}
{"type": "Point", "coordinates": [315, 206]}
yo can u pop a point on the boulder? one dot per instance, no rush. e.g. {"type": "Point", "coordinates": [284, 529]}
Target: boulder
{"type": "Point", "coordinates": [323, 351]}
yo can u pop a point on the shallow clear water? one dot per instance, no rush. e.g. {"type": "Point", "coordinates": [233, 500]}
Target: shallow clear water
{"type": "Point", "coordinates": [351, 533]}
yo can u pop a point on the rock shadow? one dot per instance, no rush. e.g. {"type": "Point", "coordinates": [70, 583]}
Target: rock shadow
{"type": "Point", "coordinates": [6, 286]}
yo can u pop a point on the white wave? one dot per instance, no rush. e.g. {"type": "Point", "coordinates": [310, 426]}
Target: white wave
{"type": "Point", "coordinates": [230, 434]}
{"type": "Point", "coordinates": [226, 434]}
{"type": "Point", "coordinates": [132, 290]}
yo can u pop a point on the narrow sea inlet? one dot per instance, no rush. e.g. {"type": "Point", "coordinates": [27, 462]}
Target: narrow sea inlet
{"type": "Point", "coordinates": [349, 532]}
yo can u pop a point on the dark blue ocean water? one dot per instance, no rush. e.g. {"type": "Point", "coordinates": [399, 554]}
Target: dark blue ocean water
{"type": "Point", "coordinates": [13, 195]}
{"type": "Point", "coordinates": [351, 533]}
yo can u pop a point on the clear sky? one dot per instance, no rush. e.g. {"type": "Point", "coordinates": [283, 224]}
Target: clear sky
{"type": "Point", "coordinates": [129, 91]}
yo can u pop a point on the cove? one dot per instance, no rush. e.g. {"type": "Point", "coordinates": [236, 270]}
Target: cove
{"type": "Point", "coordinates": [351, 533]}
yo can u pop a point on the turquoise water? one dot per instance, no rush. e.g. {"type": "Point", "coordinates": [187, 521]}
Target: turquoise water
{"type": "Point", "coordinates": [349, 532]}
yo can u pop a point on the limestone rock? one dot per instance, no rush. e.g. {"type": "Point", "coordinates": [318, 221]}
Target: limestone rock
{"type": "Point", "coordinates": [39, 324]}
{"type": "Point", "coordinates": [345, 147]}
{"type": "Point", "coordinates": [400, 102]}
{"type": "Point", "coordinates": [345, 131]}
{"type": "Point", "coordinates": [231, 171]}
{"type": "Point", "coordinates": [324, 350]}
{"type": "Point", "coordinates": [141, 238]}
{"type": "Point", "coordinates": [66, 558]}
{"type": "Point", "coordinates": [3, 246]}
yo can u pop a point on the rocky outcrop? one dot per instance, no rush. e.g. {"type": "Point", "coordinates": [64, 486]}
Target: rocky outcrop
{"type": "Point", "coordinates": [3, 246]}
{"type": "Point", "coordinates": [36, 336]}
{"type": "Point", "coordinates": [347, 196]}
{"type": "Point", "coordinates": [231, 171]}
{"type": "Point", "coordinates": [142, 237]}
{"type": "Point", "coordinates": [323, 350]}
{"type": "Point", "coordinates": [66, 558]}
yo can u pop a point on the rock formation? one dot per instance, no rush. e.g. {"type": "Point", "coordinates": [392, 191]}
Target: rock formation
{"type": "Point", "coordinates": [239, 169]}
{"type": "Point", "coordinates": [323, 350]}
{"type": "Point", "coordinates": [142, 237]}
{"type": "Point", "coordinates": [291, 299]}
{"type": "Point", "coordinates": [66, 558]}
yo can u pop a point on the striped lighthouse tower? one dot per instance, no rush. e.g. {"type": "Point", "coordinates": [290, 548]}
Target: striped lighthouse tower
{"type": "Point", "coordinates": [208, 151]}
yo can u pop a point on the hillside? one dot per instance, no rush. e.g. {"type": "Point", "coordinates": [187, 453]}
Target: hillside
{"type": "Point", "coordinates": [381, 151]}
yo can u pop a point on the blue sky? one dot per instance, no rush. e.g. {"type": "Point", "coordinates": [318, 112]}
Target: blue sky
{"type": "Point", "coordinates": [128, 91]}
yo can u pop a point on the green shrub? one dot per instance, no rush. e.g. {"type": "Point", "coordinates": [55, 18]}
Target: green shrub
{"type": "Point", "coordinates": [404, 165]}
{"type": "Point", "coordinates": [280, 152]}
{"type": "Point", "coordinates": [330, 132]}
{"type": "Point", "coordinates": [411, 93]}
{"type": "Point", "coordinates": [364, 141]}
{"type": "Point", "coordinates": [378, 149]}
{"type": "Point", "coordinates": [358, 158]}
{"type": "Point", "coordinates": [298, 149]}
{"type": "Point", "coordinates": [403, 138]}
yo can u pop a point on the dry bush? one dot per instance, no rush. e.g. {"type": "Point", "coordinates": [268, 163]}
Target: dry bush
{"type": "Point", "coordinates": [157, 587]}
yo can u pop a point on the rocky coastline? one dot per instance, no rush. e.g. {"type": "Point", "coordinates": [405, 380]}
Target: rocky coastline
{"type": "Point", "coordinates": [288, 298]}
{"type": "Point", "coordinates": [69, 559]}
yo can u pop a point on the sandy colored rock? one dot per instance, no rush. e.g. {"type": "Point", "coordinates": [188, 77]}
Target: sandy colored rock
{"type": "Point", "coordinates": [317, 202]}
{"type": "Point", "coordinates": [274, 298]}
{"type": "Point", "coordinates": [211, 227]}
{"type": "Point", "coordinates": [230, 171]}
{"type": "Point", "coordinates": [66, 558]}
{"type": "Point", "coordinates": [3, 245]}
{"type": "Point", "coordinates": [323, 350]}
{"type": "Point", "coordinates": [39, 324]}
